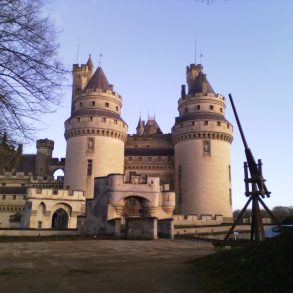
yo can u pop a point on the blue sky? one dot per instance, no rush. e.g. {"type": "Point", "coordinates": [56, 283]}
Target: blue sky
{"type": "Point", "coordinates": [247, 49]}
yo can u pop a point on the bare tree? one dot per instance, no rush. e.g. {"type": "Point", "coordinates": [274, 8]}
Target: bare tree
{"type": "Point", "coordinates": [31, 73]}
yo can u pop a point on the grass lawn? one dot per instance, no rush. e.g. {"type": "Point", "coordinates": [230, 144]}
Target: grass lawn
{"type": "Point", "coordinates": [263, 267]}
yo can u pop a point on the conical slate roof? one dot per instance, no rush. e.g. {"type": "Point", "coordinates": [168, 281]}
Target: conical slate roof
{"type": "Point", "coordinates": [152, 127]}
{"type": "Point", "coordinates": [201, 85]}
{"type": "Point", "coordinates": [90, 62]}
{"type": "Point", "coordinates": [98, 81]}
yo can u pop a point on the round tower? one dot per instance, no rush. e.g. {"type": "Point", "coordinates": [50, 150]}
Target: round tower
{"type": "Point", "coordinates": [95, 132]}
{"type": "Point", "coordinates": [202, 138]}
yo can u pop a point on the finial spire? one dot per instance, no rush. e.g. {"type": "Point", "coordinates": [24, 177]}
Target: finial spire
{"type": "Point", "coordinates": [100, 59]}
{"type": "Point", "coordinates": [195, 49]}
{"type": "Point", "coordinates": [200, 56]}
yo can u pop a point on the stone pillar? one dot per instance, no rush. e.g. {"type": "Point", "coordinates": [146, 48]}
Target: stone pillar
{"type": "Point", "coordinates": [141, 228]}
{"type": "Point", "coordinates": [114, 227]}
{"type": "Point", "coordinates": [166, 228]}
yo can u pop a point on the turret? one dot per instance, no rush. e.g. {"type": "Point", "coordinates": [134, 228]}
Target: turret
{"type": "Point", "coordinates": [95, 132]}
{"type": "Point", "coordinates": [81, 76]}
{"type": "Point", "coordinates": [202, 138]}
{"type": "Point", "coordinates": [140, 127]}
{"type": "Point", "coordinates": [44, 155]}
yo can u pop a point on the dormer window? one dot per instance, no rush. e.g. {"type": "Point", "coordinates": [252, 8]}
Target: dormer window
{"type": "Point", "coordinates": [107, 105]}
{"type": "Point", "coordinates": [211, 107]}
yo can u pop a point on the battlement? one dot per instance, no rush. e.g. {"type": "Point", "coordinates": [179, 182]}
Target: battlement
{"type": "Point", "coordinates": [198, 219]}
{"type": "Point", "coordinates": [201, 96]}
{"type": "Point", "coordinates": [193, 66]}
{"type": "Point", "coordinates": [58, 194]}
{"type": "Point", "coordinates": [79, 67]}
{"type": "Point", "coordinates": [45, 143]}
{"type": "Point", "coordinates": [16, 175]}
{"type": "Point", "coordinates": [99, 91]}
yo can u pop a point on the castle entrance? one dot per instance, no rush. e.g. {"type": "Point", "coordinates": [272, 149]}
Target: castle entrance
{"type": "Point", "coordinates": [133, 207]}
{"type": "Point", "coordinates": [60, 219]}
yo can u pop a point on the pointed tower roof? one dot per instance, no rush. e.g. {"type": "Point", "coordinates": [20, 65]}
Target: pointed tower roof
{"type": "Point", "coordinates": [201, 85]}
{"type": "Point", "coordinates": [98, 81]}
{"type": "Point", "coordinates": [140, 123]}
{"type": "Point", "coordinates": [152, 127]}
{"type": "Point", "coordinates": [90, 62]}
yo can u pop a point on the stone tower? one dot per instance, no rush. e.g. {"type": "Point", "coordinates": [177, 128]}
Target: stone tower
{"type": "Point", "coordinates": [202, 138]}
{"type": "Point", "coordinates": [95, 132]}
{"type": "Point", "coordinates": [44, 155]}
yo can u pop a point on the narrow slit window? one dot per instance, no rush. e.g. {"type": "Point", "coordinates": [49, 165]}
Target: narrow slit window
{"type": "Point", "coordinates": [89, 167]}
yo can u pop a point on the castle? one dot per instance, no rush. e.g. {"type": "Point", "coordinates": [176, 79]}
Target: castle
{"type": "Point", "coordinates": [109, 174]}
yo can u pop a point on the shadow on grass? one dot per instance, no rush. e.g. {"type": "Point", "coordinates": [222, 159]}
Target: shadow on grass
{"type": "Point", "coordinates": [263, 267]}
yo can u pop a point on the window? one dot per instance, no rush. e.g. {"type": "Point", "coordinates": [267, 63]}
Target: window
{"type": "Point", "coordinates": [228, 126]}
{"type": "Point", "coordinates": [149, 158]}
{"type": "Point", "coordinates": [206, 148]}
{"type": "Point", "coordinates": [80, 105]}
{"type": "Point", "coordinates": [78, 119]}
{"type": "Point", "coordinates": [130, 158]}
{"type": "Point", "coordinates": [107, 105]}
{"type": "Point", "coordinates": [211, 107]}
{"type": "Point", "coordinates": [140, 159]}
{"type": "Point", "coordinates": [192, 123]}
{"type": "Point", "coordinates": [91, 118]}
{"type": "Point", "coordinates": [148, 146]}
{"type": "Point", "coordinates": [117, 108]}
{"type": "Point", "coordinates": [219, 123]}
{"type": "Point", "coordinates": [230, 196]}
{"type": "Point", "coordinates": [206, 122]}
{"type": "Point", "coordinates": [197, 107]}
{"type": "Point", "coordinates": [229, 173]}
{"type": "Point", "coordinates": [115, 122]}
{"type": "Point", "coordinates": [3, 196]}
{"type": "Point", "coordinates": [104, 119]}
{"type": "Point", "coordinates": [14, 197]}
{"type": "Point", "coordinates": [186, 110]}
{"type": "Point", "coordinates": [89, 167]}
{"type": "Point", "coordinates": [93, 103]}
{"type": "Point", "coordinates": [3, 184]}
{"type": "Point", "coordinates": [221, 110]}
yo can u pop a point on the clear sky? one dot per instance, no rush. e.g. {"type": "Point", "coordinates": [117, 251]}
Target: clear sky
{"type": "Point", "coordinates": [247, 48]}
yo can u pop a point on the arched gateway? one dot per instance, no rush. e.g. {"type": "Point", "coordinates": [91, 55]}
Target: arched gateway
{"type": "Point", "coordinates": [60, 219]}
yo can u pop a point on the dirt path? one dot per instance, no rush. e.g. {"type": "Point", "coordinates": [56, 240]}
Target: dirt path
{"type": "Point", "coordinates": [100, 266]}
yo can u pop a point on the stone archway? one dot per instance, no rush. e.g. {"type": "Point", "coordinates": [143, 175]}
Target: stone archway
{"type": "Point", "coordinates": [60, 219]}
{"type": "Point", "coordinates": [133, 206]}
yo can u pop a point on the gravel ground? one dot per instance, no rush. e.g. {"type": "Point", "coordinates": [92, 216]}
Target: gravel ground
{"type": "Point", "coordinates": [100, 266]}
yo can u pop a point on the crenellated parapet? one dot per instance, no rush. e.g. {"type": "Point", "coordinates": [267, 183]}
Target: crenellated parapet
{"type": "Point", "coordinates": [58, 194]}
